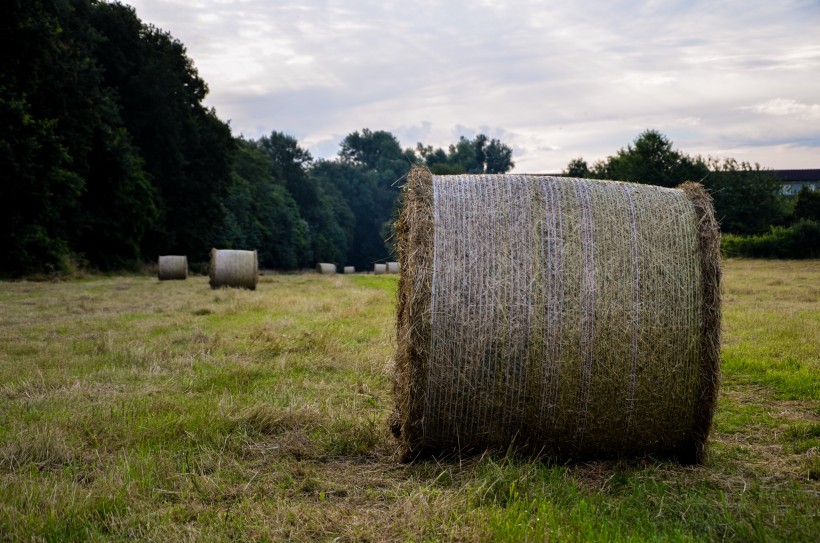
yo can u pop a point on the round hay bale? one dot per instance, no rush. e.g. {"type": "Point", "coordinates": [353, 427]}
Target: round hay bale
{"type": "Point", "coordinates": [172, 267]}
{"type": "Point", "coordinates": [324, 267]}
{"type": "Point", "coordinates": [233, 268]}
{"type": "Point", "coordinates": [379, 269]}
{"type": "Point", "coordinates": [350, 269]}
{"type": "Point", "coordinates": [393, 267]}
{"type": "Point", "coordinates": [572, 317]}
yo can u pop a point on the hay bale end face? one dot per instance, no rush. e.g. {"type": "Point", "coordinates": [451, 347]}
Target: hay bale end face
{"type": "Point", "coordinates": [379, 269]}
{"type": "Point", "coordinates": [393, 267]}
{"type": "Point", "coordinates": [349, 269]}
{"type": "Point", "coordinates": [172, 267]}
{"type": "Point", "coordinates": [233, 268]}
{"type": "Point", "coordinates": [565, 316]}
{"type": "Point", "coordinates": [325, 268]}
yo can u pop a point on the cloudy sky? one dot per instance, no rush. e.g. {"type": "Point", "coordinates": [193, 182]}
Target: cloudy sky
{"type": "Point", "coordinates": [553, 80]}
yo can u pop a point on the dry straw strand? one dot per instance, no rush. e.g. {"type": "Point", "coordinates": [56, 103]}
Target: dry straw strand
{"type": "Point", "coordinates": [172, 267]}
{"type": "Point", "coordinates": [233, 268]}
{"type": "Point", "coordinates": [559, 315]}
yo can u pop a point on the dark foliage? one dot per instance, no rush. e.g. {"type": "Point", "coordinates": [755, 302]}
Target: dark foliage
{"type": "Point", "coordinates": [747, 198]}
{"type": "Point", "coordinates": [800, 240]}
{"type": "Point", "coordinates": [807, 205]}
{"type": "Point", "coordinates": [108, 156]}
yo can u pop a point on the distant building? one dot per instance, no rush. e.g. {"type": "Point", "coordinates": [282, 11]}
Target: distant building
{"type": "Point", "coordinates": [794, 180]}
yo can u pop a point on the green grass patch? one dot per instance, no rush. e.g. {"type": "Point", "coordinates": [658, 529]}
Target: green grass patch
{"type": "Point", "coordinates": [134, 409]}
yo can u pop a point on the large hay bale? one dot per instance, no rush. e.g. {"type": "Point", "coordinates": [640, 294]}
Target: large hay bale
{"type": "Point", "coordinates": [379, 269]}
{"type": "Point", "coordinates": [350, 269]}
{"type": "Point", "coordinates": [393, 267]}
{"type": "Point", "coordinates": [233, 268]}
{"type": "Point", "coordinates": [566, 316]}
{"type": "Point", "coordinates": [324, 267]}
{"type": "Point", "coordinates": [172, 267]}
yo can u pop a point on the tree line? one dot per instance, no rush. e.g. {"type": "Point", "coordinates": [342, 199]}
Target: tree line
{"type": "Point", "coordinates": [756, 218]}
{"type": "Point", "coordinates": [109, 158]}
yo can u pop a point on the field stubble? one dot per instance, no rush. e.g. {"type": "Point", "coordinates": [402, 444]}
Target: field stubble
{"type": "Point", "coordinates": [131, 408]}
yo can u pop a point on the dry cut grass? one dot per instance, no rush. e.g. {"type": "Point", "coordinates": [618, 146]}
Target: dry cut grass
{"type": "Point", "coordinates": [134, 409]}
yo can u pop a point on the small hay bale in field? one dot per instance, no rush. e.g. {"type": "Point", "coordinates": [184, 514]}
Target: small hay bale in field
{"type": "Point", "coordinates": [172, 267]}
{"type": "Point", "coordinates": [324, 268]}
{"type": "Point", "coordinates": [379, 269]}
{"type": "Point", "coordinates": [393, 267]}
{"type": "Point", "coordinates": [350, 269]}
{"type": "Point", "coordinates": [566, 316]}
{"type": "Point", "coordinates": [233, 268]}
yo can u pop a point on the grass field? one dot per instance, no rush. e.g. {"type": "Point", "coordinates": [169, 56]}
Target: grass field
{"type": "Point", "coordinates": [134, 409]}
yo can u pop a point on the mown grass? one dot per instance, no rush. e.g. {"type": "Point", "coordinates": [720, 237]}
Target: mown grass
{"type": "Point", "coordinates": [133, 409]}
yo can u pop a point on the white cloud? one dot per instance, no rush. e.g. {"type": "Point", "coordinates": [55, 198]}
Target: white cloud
{"type": "Point", "coordinates": [788, 107]}
{"type": "Point", "coordinates": [559, 80]}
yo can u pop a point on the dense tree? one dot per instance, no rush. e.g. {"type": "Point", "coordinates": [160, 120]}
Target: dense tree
{"type": "Point", "coordinates": [261, 214]}
{"type": "Point", "coordinates": [577, 167]}
{"type": "Point", "coordinates": [807, 205]}
{"type": "Point", "coordinates": [38, 191]}
{"type": "Point", "coordinates": [321, 208]}
{"type": "Point", "coordinates": [497, 157]}
{"type": "Point", "coordinates": [747, 198]}
{"type": "Point", "coordinates": [479, 155]}
{"type": "Point", "coordinates": [108, 156]}
{"type": "Point", "coordinates": [76, 172]}
{"type": "Point", "coordinates": [376, 151]}
{"type": "Point", "coordinates": [651, 159]}
{"type": "Point", "coordinates": [354, 189]}
{"type": "Point", "coordinates": [186, 149]}
{"type": "Point", "coordinates": [366, 176]}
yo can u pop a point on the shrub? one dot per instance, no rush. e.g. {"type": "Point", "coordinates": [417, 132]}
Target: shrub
{"type": "Point", "coordinates": [800, 240]}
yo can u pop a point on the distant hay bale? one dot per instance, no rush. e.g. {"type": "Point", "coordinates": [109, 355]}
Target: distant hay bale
{"type": "Point", "coordinates": [350, 269]}
{"type": "Point", "coordinates": [379, 269]}
{"type": "Point", "coordinates": [393, 267]}
{"type": "Point", "coordinates": [565, 316]}
{"type": "Point", "coordinates": [324, 267]}
{"type": "Point", "coordinates": [172, 267]}
{"type": "Point", "coordinates": [233, 268]}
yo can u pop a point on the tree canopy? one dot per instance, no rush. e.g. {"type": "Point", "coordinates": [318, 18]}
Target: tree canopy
{"type": "Point", "coordinates": [747, 197]}
{"type": "Point", "coordinates": [109, 158]}
{"type": "Point", "coordinates": [476, 156]}
{"type": "Point", "coordinates": [106, 150]}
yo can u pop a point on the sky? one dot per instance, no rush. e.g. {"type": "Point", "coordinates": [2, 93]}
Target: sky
{"type": "Point", "coordinates": [553, 80]}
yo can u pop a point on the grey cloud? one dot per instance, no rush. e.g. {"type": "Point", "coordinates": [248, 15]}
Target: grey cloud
{"type": "Point", "coordinates": [552, 80]}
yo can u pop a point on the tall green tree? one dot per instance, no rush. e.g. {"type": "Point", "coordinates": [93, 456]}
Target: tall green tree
{"type": "Point", "coordinates": [77, 178]}
{"type": "Point", "coordinates": [807, 205]}
{"type": "Point", "coordinates": [650, 159]}
{"type": "Point", "coordinates": [577, 167]}
{"type": "Point", "coordinates": [261, 214]}
{"type": "Point", "coordinates": [354, 188]}
{"type": "Point", "coordinates": [368, 176]}
{"type": "Point", "coordinates": [476, 156]}
{"type": "Point", "coordinates": [186, 149]}
{"type": "Point", "coordinates": [747, 198]}
{"type": "Point", "coordinates": [321, 209]}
